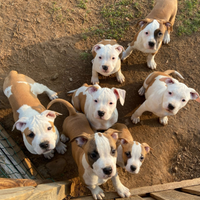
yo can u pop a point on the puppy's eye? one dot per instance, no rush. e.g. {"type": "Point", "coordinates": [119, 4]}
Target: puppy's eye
{"type": "Point", "coordinates": [113, 150]}
{"type": "Point", "coordinates": [100, 57]}
{"type": "Point", "coordinates": [113, 58]}
{"type": "Point", "coordinates": [128, 154]}
{"type": "Point", "coordinates": [183, 100]}
{"type": "Point", "coordinates": [170, 93]}
{"type": "Point", "coordinates": [95, 101]}
{"type": "Point", "coordinates": [31, 135]}
{"type": "Point", "coordinates": [111, 103]}
{"type": "Point", "coordinates": [146, 33]}
{"type": "Point", "coordinates": [49, 128]}
{"type": "Point", "coordinates": [141, 158]}
{"type": "Point", "coordinates": [93, 155]}
{"type": "Point", "coordinates": [159, 33]}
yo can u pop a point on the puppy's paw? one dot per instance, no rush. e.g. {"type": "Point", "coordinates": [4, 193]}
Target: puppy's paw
{"type": "Point", "coordinates": [94, 80]}
{"type": "Point", "coordinates": [141, 91]}
{"type": "Point", "coordinates": [166, 38]}
{"type": "Point", "coordinates": [49, 155]}
{"type": "Point", "coordinates": [151, 64]}
{"type": "Point", "coordinates": [63, 138]}
{"type": "Point", "coordinates": [163, 120]}
{"type": "Point", "coordinates": [52, 95]}
{"type": "Point", "coordinates": [120, 78]}
{"type": "Point", "coordinates": [135, 119]}
{"type": "Point", "coordinates": [97, 193]}
{"type": "Point", "coordinates": [61, 148]}
{"type": "Point", "coordinates": [123, 191]}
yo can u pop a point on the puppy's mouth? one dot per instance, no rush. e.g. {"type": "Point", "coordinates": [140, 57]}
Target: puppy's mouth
{"type": "Point", "coordinates": [107, 176]}
{"type": "Point", "coordinates": [47, 151]}
{"type": "Point", "coordinates": [168, 110]}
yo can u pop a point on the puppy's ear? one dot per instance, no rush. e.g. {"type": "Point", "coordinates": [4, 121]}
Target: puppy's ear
{"type": "Point", "coordinates": [92, 89]}
{"type": "Point", "coordinates": [113, 133]}
{"type": "Point", "coordinates": [168, 25]}
{"type": "Point", "coordinates": [146, 147]}
{"type": "Point", "coordinates": [194, 95]}
{"type": "Point", "coordinates": [143, 22]}
{"type": "Point", "coordinates": [167, 80]}
{"type": "Point", "coordinates": [20, 124]}
{"type": "Point", "coordinates": [97, 47]}
{"type": "Point", "coordinates": [120, 94]}
{"type": "Point", "coordinates": [50, 114]}
{"type": "Point", "coordinates": [119, 48]}
{"type": "Point", "coordinates": [123, 141]}
{"type": "Point", "coordinates": [81, 140]}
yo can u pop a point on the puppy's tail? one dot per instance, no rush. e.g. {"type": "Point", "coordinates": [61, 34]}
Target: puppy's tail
{"type": "Point", "coordinates": [68, 105]}
{"type": "Point", "coordinates": [72, 91]}
{"type": "Point", "coordinates": [175, 72]}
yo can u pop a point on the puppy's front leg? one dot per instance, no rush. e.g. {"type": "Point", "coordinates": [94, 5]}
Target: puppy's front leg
{"type": "Point", "coordinates": [127, 52]}
{"type": "Point", "coordinates": [120, 76]}
{"type": "Point", "coordinates": [94, 79]}
{"type": "Point", "coordinates": [150, 61]}
{"type": "Point", "coordinates": [163, 120]}
{"type": "Point", "coordinates": [136, 115]}
{"type": "Point", "coordinates": [119, 187]}
{"type": "Point", "coordinates": [96, 191]}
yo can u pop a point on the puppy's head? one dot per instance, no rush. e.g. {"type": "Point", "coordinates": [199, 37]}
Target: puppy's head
{"type": "Point", "coordinates": [152, 33]}
{"type": "Point", "coordinates": [105, 101]}
{"type": "Point", "coordinates": [100, 152]}
{"type": "Point", "coordinates": [39, 133]}
{"type": "Point", "coordinates": [106, 57]}
{"type": "Point", "coordinates": [134, 154]}
{"type": "Point", "coordinates": [177, 95]}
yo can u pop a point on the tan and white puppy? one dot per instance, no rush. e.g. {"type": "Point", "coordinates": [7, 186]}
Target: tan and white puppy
{"type": "Point", "coordinates": [107, 60]}
{"type": "Point", "coordinates": [164, 95]}
{"type": "Point", "coordinates": [98, 104]}
{"type": "Point", "coordinates": [154, 30]}
{"type": "Point", "coordinates": [95, 153]}
{"type": "Point", "coordinates": [40, 136]}
{"type": "Point", "coordinates": [130, 153]}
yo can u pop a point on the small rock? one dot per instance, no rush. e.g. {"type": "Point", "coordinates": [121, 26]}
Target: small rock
{"type": "Point", "coordinates": [70, 79]}
{"type": "Point", "coordinates": [54, 77]}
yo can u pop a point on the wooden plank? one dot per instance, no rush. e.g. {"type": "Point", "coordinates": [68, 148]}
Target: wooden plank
{"type": "Point", "coordinates": [148, 198]}
{"type": "Point", "coordinates": [192, 190]}
{"type": "Point", "coordinates": [173, 195]}
{"type": "Point", "coordinates": [51, 191]}
{"type": "Point", "coordinates": [16, 193]}
{"type": "Point", "coordinates": [131, 198]}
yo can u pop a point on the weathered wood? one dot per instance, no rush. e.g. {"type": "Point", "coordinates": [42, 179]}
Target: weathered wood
{"type": "Point", "coordinates": [51, 191]}
{"type": "Point", "coordinates": [192, 190]}
{"type": "Point", "coordinates": [16, 193]}
{"type": "Point", "coordinates": [173, 195]}
{"type": "Point", "coordinates": [148, 198]}
{"type": "Point", "coordinates": [131, 198]}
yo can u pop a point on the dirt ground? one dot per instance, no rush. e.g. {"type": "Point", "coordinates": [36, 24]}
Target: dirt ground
{"type": "Point", "coordinates": [34, 42]}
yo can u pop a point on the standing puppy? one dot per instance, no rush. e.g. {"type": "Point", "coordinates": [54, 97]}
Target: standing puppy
{"type": "Point", "coordinates": [40, 136]}
{"type": "Point", "coordinates": [154, 29]}
{"type": "Point", "coordinates": [164, 95]}
{"type": "Point", "coordinates": [98, 104]}
{"type": "Point", "coordinates": [107, 60]}
{"type": "Point", "coordinates": [94, 153]}
{"type": "Point", "coordinates": [131, 154]}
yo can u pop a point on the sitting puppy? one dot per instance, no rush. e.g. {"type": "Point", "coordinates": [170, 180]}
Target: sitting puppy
{"type": "Point", "coordinates": [164, 96]}
{"type": "Point", "coordinates": [130, 154]}
{"type": "Point", "coordinates": [154, 29]}
{"type": "Point", "coordinates": [98, 104]}
{"type": "Point", "coordinates": [40, 136]}
{"type": "Point", "coordinates": [94, 153]}
{"type": "Point", "coordinates": [107, 60]}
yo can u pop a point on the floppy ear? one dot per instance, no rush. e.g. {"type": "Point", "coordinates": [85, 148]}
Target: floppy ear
{"type": "Point", "coordinates": [92, 89]}
{"type": "Point", "coordinates": [81, 140]}
{"type": "Point", "coordinates": [123, 141]}
{"type": "Point", "coordinates": [119, 48]}
{"type": "Point", "coordinates": [113, 133]}
{"type": "Point", "coordinates": [146, 147]}
{"type": "Point", "coordinates": [20, 124]}
{"type": "Point", "coordinates": [50, 114]}
{"type": "Point", "coordinates": [97, 47]}
{"type": "Point", "coordinates": [142, 22]}
{"type": "Point", "coordinates": [120, 94]}
{"type": "Point", "coordinates": [194, 95]}
{"type": "Point", "coordinates": [168, 25]}
{"type": "Point", "coordinates": [167, 80]}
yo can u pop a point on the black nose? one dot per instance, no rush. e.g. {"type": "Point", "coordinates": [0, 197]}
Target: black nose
{"type": "Point", "coordinates": [170, 106]}
{"type": "Point", "coordinates": [101, 113]}
{"type": "Point", "coordinates": [44, 145]}
{"type": "Point", "coordinates": [107, 170]}
{"type": "Point", "coordinates": [105, 67]}
{"type": "Point", "coordinates": [133, 168]}
{"type": "Point", "coordinates": [151, 44]}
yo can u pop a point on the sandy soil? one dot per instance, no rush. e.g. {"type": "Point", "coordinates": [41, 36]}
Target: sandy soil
{"type": "Point", "coordinates": [35, 43]}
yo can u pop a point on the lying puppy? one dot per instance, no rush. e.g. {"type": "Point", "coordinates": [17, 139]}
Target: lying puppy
{"type": "Point", "coordinates": [154, 29]}
{"type": "Point", "coordinates": [40, 136]}
{"type": "Point", "coordinates": [165, 96]}
{"type": "Point", "coordinates": [99, 104]}
{"type": "Point", "coordinates": [107, 60]}
{"type": "Point", "coordinates": [130, 154]}
{"type": "Point", "coordinates": [95, 153]}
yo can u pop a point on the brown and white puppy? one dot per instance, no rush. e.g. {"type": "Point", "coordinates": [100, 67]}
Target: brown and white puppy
{"type": "Point", "coordinates": [154, 29]}
{"type": "Point", "coordinates": [40, 136]}
{"type": "Point", "coordinates": [131, 154]}
{"type": "Point", "coordinates": [107, 60]}
{"type": "Point", "coordinates": [95, 153]}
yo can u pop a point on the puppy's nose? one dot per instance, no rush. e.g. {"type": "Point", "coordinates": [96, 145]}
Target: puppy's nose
{"type": "Point", "coordinates": [107, 170]}
{"type": "Point", "coordinates": [151, 44]}
{"type": "Point", "coordinates": [101, 113]}
{"type": "Point", "coordinates": [105, 67]}
{"type": "Point", "coordinates": [170, 106]}
{"type": "Point", "coordinates": [133, 168]}
{"type": "Point", "coordinates": [44, 145]}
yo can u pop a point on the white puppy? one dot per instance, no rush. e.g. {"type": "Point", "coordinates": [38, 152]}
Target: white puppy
{"type": "Point", "coordinates": [99, 104]}
{"type": "Point", "coordinates": [165, 96]}
{"type": "Point", "coordinates": [107, 60]}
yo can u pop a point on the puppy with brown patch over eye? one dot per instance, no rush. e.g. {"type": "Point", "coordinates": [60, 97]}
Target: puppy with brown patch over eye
{"type": "Point", "coordinates": [154, 30]}
{"type": "Point", "coordinates": [94, 153]}
{"type": "Point", "coordinates": [131, 154]}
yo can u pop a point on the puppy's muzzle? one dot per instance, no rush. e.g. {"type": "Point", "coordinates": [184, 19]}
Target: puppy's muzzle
{"type": "Point", "coordinates": [107, 170]}
{"type": "Point", "coordinates": [105, 68]}
{"type": "Point", "coordinates": [44, 145]}
{"type": "Point", "coordinates": [133, 168]}
{"type": "Point", "coordinates": [151, 44]}
{"type": "Point", "coordinates": [170, 106]}
{"type": "Point", "coordinates": [101, 113]}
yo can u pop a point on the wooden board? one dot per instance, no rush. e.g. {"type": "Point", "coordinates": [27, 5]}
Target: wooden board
{"type": "Point", "coordinates": [173, 195]}
{"type": "Point", "coordinates": [192, 189]}
{"type": "Point", "coordinates": [148, 198]}
{"type": "Point", "coordinates": [131, 198]}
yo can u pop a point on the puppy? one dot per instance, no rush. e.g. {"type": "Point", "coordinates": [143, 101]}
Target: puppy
{"type": "Point", "coordinates": [154, 29]}
{"type": "Point", "coordinates": [95, 153]}
{"type": "Point", "coordinates": [107, 60]}
{"type": "Point", "coordinates": [40, 136]}
{"type": "Point", "coordinates": [164, 95]}
{"type": "Point", "coordinates": [98, 104]}
{"type": "Point", "coordinates": [130, 154]}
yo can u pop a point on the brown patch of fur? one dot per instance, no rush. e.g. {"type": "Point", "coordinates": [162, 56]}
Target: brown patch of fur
{"type": "Point", "coordinates": [53, 127]}
{"type": "Point", "coordinates": [27, 132]}
{"type": "Point", "coordinates": [127, 148]}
